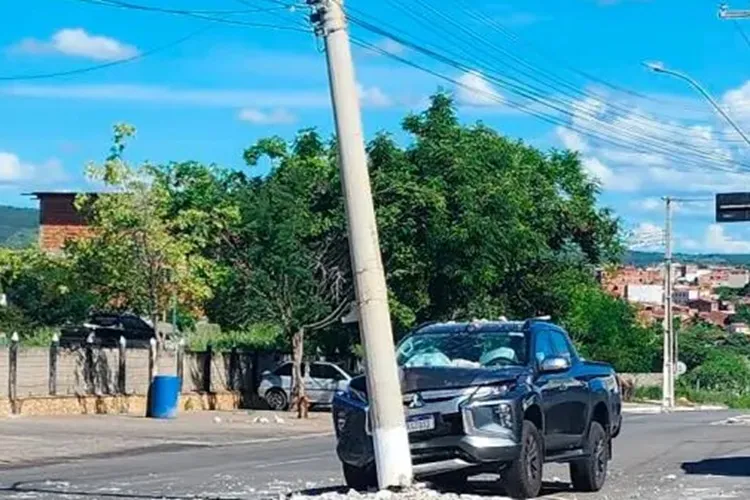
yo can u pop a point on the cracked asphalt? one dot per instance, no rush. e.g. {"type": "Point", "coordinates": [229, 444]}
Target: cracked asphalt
{"type": "Point", "coordinates": [696, 455]}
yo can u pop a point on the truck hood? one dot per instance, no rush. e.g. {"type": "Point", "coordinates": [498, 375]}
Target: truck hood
{"type": "Point", "coordinates": [441, 378]}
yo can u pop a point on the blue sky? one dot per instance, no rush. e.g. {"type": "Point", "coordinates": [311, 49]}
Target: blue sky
{"type": "Point", "coordinates": [576, 63]}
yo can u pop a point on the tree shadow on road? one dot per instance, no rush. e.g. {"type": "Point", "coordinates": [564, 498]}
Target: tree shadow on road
{"type": "Point", "coordinates": [725, 466]}
{"type": "Point", "coordinates": [25, 488]}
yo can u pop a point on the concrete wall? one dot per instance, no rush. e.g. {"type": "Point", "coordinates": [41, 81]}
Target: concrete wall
{"type": "Point", "coordinates": [643, 379]}
{"type": "Point", "coordinates": [33, 371]}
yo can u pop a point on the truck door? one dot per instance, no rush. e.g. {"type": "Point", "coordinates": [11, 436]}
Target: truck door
{"type": "Point", "coordinates": [575, 394]}
{"type": "Point", "coordinates": [551, 386]}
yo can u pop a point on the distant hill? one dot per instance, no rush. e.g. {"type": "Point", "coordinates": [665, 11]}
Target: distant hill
{"type": "Point", "coordinates": [644, 259]}
{"type": "Point", "coordinates": [18, 226]}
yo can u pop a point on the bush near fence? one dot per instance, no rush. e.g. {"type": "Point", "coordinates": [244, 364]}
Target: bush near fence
{"type": "Point", "coordinates": [33, 372]}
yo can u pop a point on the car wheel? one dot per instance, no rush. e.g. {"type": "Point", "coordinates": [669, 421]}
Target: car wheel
{"type": "Point", "coordinates": [589, 474]}
{"type": "Point", "coordinates": [523, 477]}
{"type": "Point", "coordinates": [277, 400]}
{"type": "Point", "coordinates": [360, 478]}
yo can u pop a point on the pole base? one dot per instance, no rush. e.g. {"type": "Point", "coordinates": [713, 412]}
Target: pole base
{"type": "Point", "coordinates": [392, 457]}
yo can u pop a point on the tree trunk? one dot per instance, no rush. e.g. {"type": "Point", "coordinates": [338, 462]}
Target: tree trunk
{"type": "Point", "coordinates": [299, 398]}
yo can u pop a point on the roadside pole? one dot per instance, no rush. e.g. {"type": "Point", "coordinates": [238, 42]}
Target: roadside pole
{"type": "Point", "coordinates": [390, 438]}
{"type": "Point", "coordinates": [669, 344]}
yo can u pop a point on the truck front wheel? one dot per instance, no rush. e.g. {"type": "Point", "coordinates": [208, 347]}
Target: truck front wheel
{"type": "Point", "coordinates": [589, 474]}
{"type": "Point", "coordinates": [523, 477]}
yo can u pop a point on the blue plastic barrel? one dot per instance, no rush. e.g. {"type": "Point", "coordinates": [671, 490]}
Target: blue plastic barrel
{"type": "Point", "coordinates": [164, 397]}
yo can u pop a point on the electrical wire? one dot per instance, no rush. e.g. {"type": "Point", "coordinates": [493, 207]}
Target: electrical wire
{"type": "Point", "coordinates": [741, 31]}
{"type": "Point", "coordinates": [166, 10]}
{"type": "Point", "coordinates": [194, 14]}
{"type": "Point", "coordinates": [656, 146]}
{"type": "Point", "coordinates": [509, 33]}
{"type": "Point", "coordinates": [97, 67]}
{"type": "Point", "coordinates": [546, 85]}
{"type": "Point", "coordinates": [542, 116]}
{"type": "Point", "coordinates": [541, 76]}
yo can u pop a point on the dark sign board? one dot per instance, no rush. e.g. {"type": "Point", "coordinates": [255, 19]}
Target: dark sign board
{"type": "Point", "coordinates": [733, 207]}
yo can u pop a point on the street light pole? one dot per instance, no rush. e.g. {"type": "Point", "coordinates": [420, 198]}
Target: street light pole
{"type": "Point", "coordinates": [659, 68]}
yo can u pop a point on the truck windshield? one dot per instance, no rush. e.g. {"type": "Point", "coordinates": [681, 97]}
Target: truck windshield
{"type": "Point", "coordinates": [469, 350]}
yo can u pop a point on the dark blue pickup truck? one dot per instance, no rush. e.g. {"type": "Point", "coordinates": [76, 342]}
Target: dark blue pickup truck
{"type": "Point", "coordinates": [491, 397]}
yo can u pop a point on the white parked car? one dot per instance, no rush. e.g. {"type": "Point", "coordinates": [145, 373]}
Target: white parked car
{"type": "Point", "coordinates": [322, 380]}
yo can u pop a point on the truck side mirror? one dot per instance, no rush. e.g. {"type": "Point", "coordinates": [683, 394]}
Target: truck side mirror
{"type": "Point", "coordinates": [554, 365]}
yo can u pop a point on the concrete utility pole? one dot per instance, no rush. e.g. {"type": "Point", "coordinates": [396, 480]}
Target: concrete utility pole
{"type": "Point", "coordinates": [390, 437]}
{"type": "Point", "coordinates": [670, 360]}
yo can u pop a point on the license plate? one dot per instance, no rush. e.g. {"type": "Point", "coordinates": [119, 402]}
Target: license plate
{"type": "Point", "coordinates": [420, 423]}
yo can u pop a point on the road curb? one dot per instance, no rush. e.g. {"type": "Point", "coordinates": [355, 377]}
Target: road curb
{"type": "Point", "coordinates": [655, 409]}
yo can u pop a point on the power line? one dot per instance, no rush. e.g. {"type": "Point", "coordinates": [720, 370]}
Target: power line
{"type": "Point", "coordinates": [96, 67]}
{"type": "Point", "coordinates": [166, 10]}
{"type": "Point", "coordinates": [741, 31]}
{"type": "Point", "coordinates": [196, 14]}
{"type": "Point", "coordinates": [560, 89]}
{"type": "Point", "coordinates": [509, 33]}
{"type": "Point", "coordinates": [656, 145]}
{"type": "Point", "coordinates": [617, 142]}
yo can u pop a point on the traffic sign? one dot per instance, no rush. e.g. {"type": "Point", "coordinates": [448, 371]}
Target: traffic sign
{"type": "Point", "coordinates": [732, 207]}
{"type": "Point", "coordinates": [681, 368]}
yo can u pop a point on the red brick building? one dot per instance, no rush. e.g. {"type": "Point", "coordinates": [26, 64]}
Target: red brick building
{"type": "Point", "coordinates": [59, 220]}
{"type": "Point", "coordinates": [616, 281]}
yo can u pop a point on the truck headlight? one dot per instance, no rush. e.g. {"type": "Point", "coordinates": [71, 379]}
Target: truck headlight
{"type": "Point", "coordinates": [488, 411]}
{"type": "Point", "coordinates": [490, 391]}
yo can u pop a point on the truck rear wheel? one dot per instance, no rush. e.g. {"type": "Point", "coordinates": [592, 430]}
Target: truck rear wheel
{"type": "Point", "coordinates": [523, 477]}
{"type": "Point", "coordinates": [589, 474]}
{"type": "Point", "coordinates": [360, 478]}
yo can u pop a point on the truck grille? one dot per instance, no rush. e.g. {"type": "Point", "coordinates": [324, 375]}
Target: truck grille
{"type": "Point", "coordinates": [445, 425]}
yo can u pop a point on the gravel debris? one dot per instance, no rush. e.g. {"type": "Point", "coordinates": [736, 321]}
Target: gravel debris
{"type": "Point", "coordinates": [417, 492]}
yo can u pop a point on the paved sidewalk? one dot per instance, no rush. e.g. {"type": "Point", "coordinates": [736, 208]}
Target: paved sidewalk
{"type": "Point", "coordinates": [40, 440]}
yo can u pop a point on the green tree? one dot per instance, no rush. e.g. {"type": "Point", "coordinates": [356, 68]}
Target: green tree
{"type": "Point", "coordinates": [41, 290]}
{"type": "Point", "coordinates": [475, 224]}
{"type": "Point", "coordinates": [136, 258]}
{"type": "Point", "coordinates": [605, 328]}
{"type": "Point", "coordinates": [288, 253]}
{"type": "Point", "coordinates": [721, 371]}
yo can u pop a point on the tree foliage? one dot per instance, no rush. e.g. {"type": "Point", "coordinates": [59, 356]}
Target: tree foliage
{"type": "Point", "coordinates": [606, 328]}
{"type": "Point", "coordinates": [41, 290]}
{"type": "Point", "coordinates": [136, 257]}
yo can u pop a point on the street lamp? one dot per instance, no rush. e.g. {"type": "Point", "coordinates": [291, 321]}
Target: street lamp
{"type": "Point", "coordinates": [658, 67]}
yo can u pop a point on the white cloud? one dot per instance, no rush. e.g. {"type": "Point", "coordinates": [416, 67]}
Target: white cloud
{"type": "Point", "coordinates": [718, 241]}
{"type": "Point", "coordinates": [608, 178]}
{"type": "Point", "coordinates": [572, 140]}
{"type": "Point", "coordinates": [151, 93]}
{"type": "Point", "coordinates": [656, 156]}
{"type": "Point", "coordinates": [647, 204]}
{"type": "Point", "coordinates": [474, 90]}
{"type": "Point", "coordinates": [77, 42]}
{"type": "Point", "coordinates": [373, 97]}
{"type": "Point", "coordinates": [391, 46]}
{"type": "Point", "coordinates": [14, 171]}
{"type": "Point", "coordinates": [11, 169]}
{"type": "Point", "coordinates": [273, 117]}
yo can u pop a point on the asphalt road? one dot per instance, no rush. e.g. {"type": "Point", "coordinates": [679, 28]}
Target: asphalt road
{"type": "Point", "coordinates": [685, 455]}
